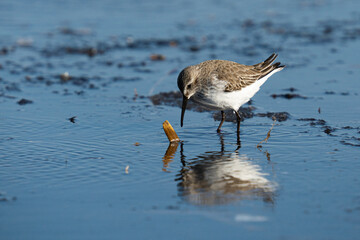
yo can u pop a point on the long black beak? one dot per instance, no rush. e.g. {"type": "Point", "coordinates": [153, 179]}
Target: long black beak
{"type": "Point", "coordinates": [184, 103]}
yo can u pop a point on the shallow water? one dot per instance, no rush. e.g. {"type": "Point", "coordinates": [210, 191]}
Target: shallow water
{"type": "Point", "coordinates": [111, 174]}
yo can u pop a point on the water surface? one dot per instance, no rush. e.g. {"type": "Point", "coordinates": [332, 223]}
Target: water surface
{"type": "Point", "coordinates": [112, 175]}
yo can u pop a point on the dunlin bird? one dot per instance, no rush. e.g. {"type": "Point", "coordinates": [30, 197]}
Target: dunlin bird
{"type": "Point", "coordinates": [222, 85]}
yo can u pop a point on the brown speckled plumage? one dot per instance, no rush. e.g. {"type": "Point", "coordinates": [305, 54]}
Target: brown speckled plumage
{"type": "Point", "coordinates": [235, 74]}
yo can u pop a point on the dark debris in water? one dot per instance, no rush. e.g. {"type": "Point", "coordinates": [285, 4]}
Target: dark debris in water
{"type": "Point", "coordinates": [279, 116]}
{"type": "Point", "coordinates": [125, 79]}
{"type": "Point", "coordinates": [351, 141]}
{"type": "Point", "coordinates": [345, 132]}
{"type": "Point", "coordinates": [350, 127]}
{"type": "Point", "coordinates": [313, 121]}
{"type": "Point", "coordinates": [174, 99]}
{"type": "Point", "coordinates": [288, 96]}
{"type": "Point", "coordinates": [328, 130]}
{"type": "Point", "coordinates": [72, 119]}
{"type": "Point", "coordinates": [329, 92]}
{"type": "Point", "coordinates": [167, 98]}
{"type": "Point", "coordinates": [6, 50]}
{"type": "Point", "coordinates": [319, 122]}
{"type": "Point", "coordinates": [24, 101]}
{"type": "Point", "coordinates": [149, 42]}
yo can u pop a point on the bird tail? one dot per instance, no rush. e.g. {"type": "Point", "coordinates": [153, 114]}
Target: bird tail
{"type": "Point", "coordinates": [266, 67]}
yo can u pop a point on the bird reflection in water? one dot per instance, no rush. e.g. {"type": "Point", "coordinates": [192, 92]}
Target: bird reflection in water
{"type": "Point", "coordinates": [222, 177]}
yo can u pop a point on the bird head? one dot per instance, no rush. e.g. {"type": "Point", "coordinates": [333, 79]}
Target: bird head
{"type": "Point", "coordinates": [187, 83]}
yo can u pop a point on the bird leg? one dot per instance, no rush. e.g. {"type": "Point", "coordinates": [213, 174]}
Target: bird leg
{"type": "Point", "coordinates": [222, 121]}
{"type": "Point", "coordinates": [238, 118]}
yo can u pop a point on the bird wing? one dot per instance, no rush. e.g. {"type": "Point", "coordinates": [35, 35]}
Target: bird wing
{"type": "Point", "coordinates": [239, 76]}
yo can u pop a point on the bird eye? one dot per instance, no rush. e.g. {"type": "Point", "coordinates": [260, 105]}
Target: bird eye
{"type": "Point", "coordinates": [189, 86]}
